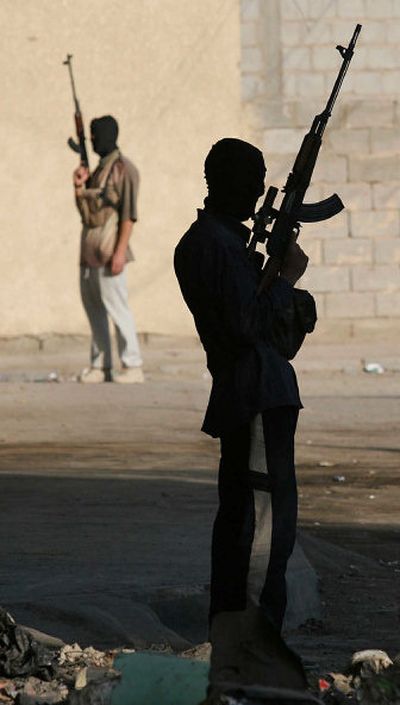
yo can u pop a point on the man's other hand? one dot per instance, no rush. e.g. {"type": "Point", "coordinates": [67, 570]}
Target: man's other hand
{"type": "Point", "coordinates": [117, 263]}
{"type": "Point", "coordinates": [80, 176]}
{"type": "Point", "coordinates": [295, 263]}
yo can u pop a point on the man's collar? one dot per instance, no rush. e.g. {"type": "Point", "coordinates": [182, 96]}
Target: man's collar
{"type": "Point", "coordinates": [109, 158]}
{"type": "Point", "coordinates": [229, 222]}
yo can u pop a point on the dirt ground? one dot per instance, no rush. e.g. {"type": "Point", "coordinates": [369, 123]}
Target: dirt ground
{"type": "Point", "coordinates": [107, 495]}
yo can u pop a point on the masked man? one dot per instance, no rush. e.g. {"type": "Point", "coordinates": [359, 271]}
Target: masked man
{"type": "Point", "coordinates": [248, 337]}
{"type": "Point", "coordinates": [106, 201]}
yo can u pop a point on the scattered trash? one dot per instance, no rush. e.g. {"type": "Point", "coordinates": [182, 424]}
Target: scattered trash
{"type": "Point", "coordinates": [20, 655]}
{"type": "Point", "coordinates": [371, 496]}
{"type": "Point", "coordinates": [363, 663]}
{"type": "Point", "coordinates": [374, 368]}
{"type": "Point", "coordinates": [31, 674]}
{"type": "Point", "coordinates": [50, 377]}
{"type": "Point", "coordinates": [339, 478]}
{"type": "Point", "coordinates": [323, 685]}
{"type": "Point", "coordinates": [389, 564]}
{"type": "Point", "coordinates": [326, 464]}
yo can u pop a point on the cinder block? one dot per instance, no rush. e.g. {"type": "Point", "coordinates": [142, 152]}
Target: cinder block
{"type": "Point", "coordinates": [374, 223]}
{"type": "Point", "coordinates": [350, 305]}
{"type": "Point", "coordinates": [376, 329]}
{"type": "Point", "coordinates": [370, 113]}
{"type": "Point", "coordinates": [293, 10]}
{"type": "Point", "coordinates": [360, 60]}
{"type": "Point", "coordinates": [282, 141]}
{"type": "Point", "coordinates": [306, 110]}
{"type": "Point", "coordinates": [330, 167]}
{"type": "Point", "coordinates": [319, 10]}
{"type": "Point", "coordinates": [311, 84]}
{"type": "Point", "coordinates": [251, 59]}
{"type": "Point", "coordinates": [396, 112]}
{"type": "Point", "coordinates": [325, 279]}
{"type": "Point", "coordinates": [347, 251]}
{"type": "Point", "coordinates": [346, 91]}
{"type": "Point", "coordinates": [365, 83]}
{"type": "Point", "coordinates": [324, 58]}
{"type": "Point", "coordinates": [383, 8]}
{"type": "Point", "coordinates": [382, 57]}
{"type": "Point", "coordinates": [376, 278]}
{"type": "Point", "coordinates": [250, 10]}
{"type": "Point", "coordinates": [278, 168]}
{"type": "Point", "coordinates": [290, 85]}
{"type": "Point", "coordinates": [313, 250]}
{"type": "Point", "coordinates": [385, 140]}
{"type": "Point", "coordinates": [388, 304]}
{"type": "Point", "coordinates": [390, 83]}
{"type": "Point", "coordinates": [387, 251]}
{"type": "Point", "coordinates": [348, 141]}
{"type": "Point", "coordinates": [355, 196]}
{"type": "Point", "coordinates": [334, 228]}
{"type": "Point", "coordinates": [319, 33]}
{"type": "Point", "coordinates": [374, 168]}
{"type": "Point", "coordinates": [320, 304]}
{"type": "Point", "coordinates": [314, 192]}
{"type": "Point", "coordinates": [297, 58]}
{"type": "Point", "coordinates": [373, 32]}
{"type": "Point", "coordinates": [354, 9]}
{"type": "Point", "coordinates": [393, 31]}
{"type": "Point", "coordinates": [252, 87]}
{"type": "Point", "coordinates": [292, 34]}
{"type": "Point", "coordinates": [249, 34]}
{"type": "Point", "coordinates": [386, 195]}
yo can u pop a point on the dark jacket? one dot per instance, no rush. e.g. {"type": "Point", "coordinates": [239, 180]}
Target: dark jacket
{"type": "Point", "coordinates": [247, 338]}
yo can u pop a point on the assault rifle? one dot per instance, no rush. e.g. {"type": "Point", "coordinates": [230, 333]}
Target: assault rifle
{"type": "Point", "coordinates": [292, 212]}
{"type": "Point", "coordinates": [79, 146]}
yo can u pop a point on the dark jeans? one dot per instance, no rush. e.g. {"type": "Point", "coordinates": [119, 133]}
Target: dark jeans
{"type": "Point", "coordinates": [234, 524]}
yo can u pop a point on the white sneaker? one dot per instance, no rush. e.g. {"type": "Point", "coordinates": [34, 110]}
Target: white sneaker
{"type": "Point", "coordinates": [91, 375]}
{"type": "Point", "coordinates": [130, 375]}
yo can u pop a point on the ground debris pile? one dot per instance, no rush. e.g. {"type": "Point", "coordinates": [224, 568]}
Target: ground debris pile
{"type": "Point", "coordinates": [32, 674]}
{"type": "Point", "coordinates": [19, 653]}
{"type": "Point", "coordinates": [371, 678]}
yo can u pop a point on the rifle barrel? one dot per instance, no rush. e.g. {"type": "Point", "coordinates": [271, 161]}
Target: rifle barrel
{"type": "Point", "coordinates": [347, 54]}
{"type": "Point", "coordinates": [68, 62]}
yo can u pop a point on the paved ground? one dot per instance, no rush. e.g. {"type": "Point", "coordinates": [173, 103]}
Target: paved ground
{"type": "Point", "coordinates": [107, 494]}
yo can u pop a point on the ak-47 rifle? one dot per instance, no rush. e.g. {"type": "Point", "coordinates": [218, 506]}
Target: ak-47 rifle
{"type": "Point", "coordinates": [286, 221]}
{"type": "Point", "coordinates": [79, 146]}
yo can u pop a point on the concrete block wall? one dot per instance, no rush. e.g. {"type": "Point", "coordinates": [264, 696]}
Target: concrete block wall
{"type": "Point", "coordinates": [289, 64]}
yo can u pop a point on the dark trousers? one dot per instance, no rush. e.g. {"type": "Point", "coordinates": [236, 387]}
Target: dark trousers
{"type": "Point", "coordinates": [234, 524]}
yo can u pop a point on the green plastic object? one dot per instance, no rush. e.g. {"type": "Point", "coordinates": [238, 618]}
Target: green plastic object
{"type": "Point", "coordinates": [158, 679]}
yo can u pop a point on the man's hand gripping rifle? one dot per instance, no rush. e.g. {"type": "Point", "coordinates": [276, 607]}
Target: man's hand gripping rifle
{"type": "Point", "coordinates": [79, 146]}
{"type": "Point", "coordinates": [286, 221]}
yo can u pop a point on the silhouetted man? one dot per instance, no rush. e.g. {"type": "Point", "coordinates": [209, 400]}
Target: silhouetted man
{"type": "Point", "coordinates": [248, 338]}
{"type": "Point", "coordinates": [106, 201]}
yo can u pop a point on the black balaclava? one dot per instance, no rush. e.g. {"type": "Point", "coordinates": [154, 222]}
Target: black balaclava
{"type": "Point", "coordinates": [234, 171]}
{"type": "Point", "coordinates": [104, 132]}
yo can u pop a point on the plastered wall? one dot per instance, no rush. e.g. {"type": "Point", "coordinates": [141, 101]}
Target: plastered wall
{"type": "Point", "coordinates": [169, 70]}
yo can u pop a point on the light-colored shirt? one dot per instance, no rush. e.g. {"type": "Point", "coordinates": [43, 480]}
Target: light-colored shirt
{"type": "Point", "coordinates": [111, 191]}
